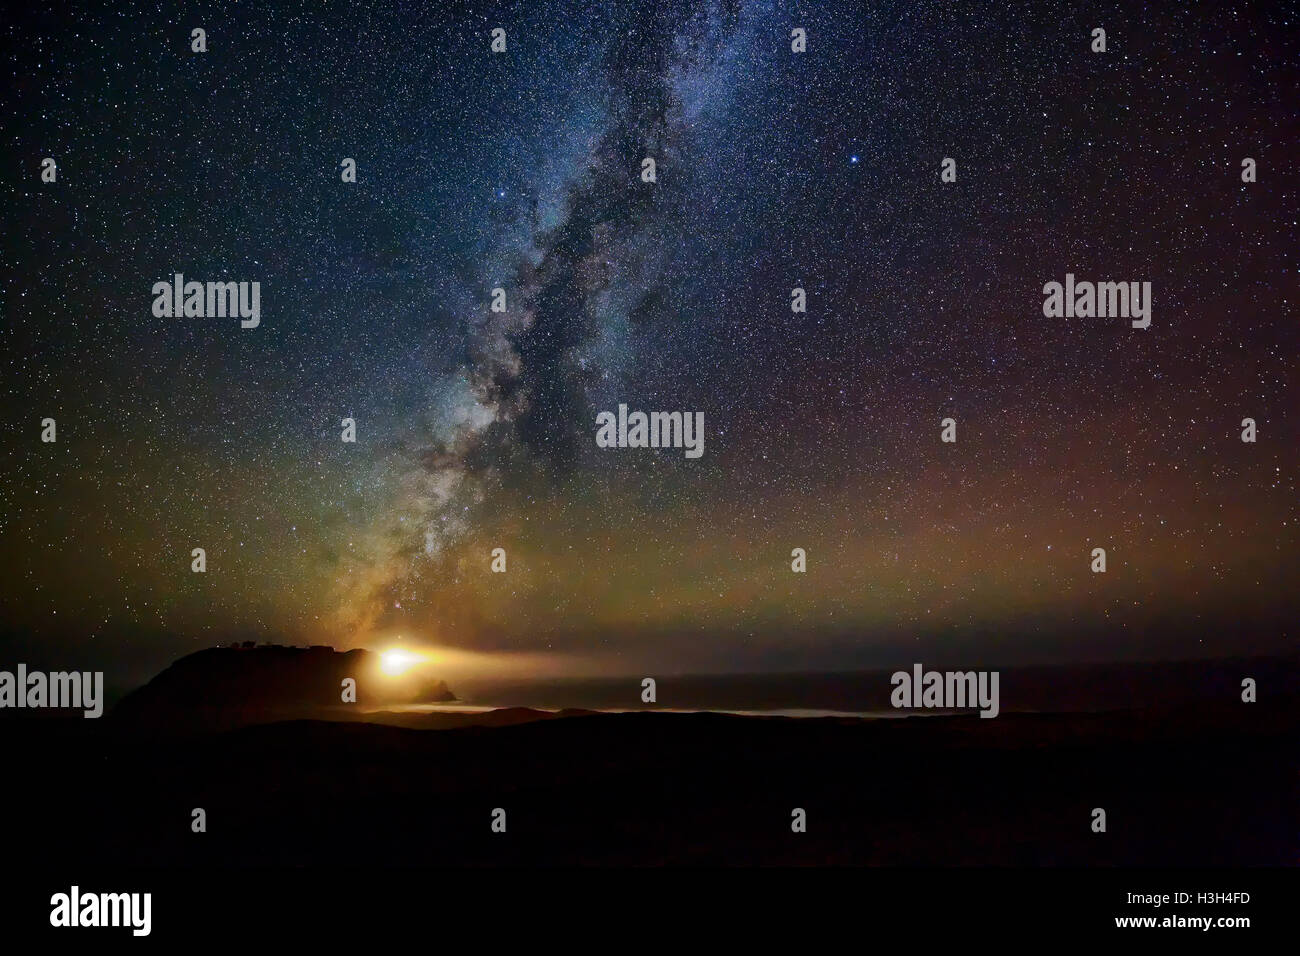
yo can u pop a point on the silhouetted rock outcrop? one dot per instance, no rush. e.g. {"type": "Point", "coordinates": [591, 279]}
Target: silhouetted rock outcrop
{"type": "Point", "coordinates": [225, 687]}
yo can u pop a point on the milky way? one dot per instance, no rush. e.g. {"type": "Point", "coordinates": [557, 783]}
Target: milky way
{"type": "Point", "coordinates": [775, 170]}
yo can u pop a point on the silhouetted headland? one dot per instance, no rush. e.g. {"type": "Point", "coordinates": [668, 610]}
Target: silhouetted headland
{"type": "Point", "coordinates": [226, 687]}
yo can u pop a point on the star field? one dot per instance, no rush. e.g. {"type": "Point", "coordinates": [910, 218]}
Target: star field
{"type": "Point", "coordinates": [775, 170]}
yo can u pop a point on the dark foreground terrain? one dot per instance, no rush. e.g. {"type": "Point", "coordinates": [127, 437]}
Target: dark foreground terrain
{"type": "Point", "coordinates": [1198, 786]}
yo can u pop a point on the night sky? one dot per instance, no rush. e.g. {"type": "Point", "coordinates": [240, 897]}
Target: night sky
{"type": "Point", "coordinates": [476, 429]}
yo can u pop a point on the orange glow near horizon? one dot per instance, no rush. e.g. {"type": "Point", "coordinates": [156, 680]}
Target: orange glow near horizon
{"type": "Point", "coordinates": [398, 660]}
{"type": "Point", "coordinates": [397, 657]}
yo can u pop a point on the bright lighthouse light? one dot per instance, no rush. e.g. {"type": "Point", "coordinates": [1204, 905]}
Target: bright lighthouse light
{"type": "Point", "coordinates": [396, 660]}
